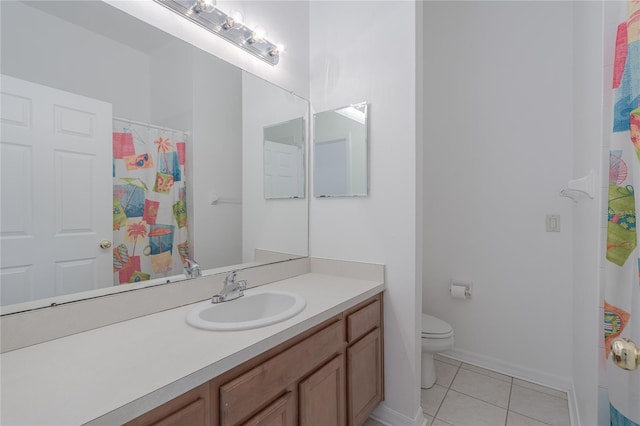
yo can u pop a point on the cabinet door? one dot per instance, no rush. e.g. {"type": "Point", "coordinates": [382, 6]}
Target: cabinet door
{"type": "Point", "coordinates": [280, 413]}
{"type": "Point", "coordinates": [240, 397]}
{"type": "Point", "coordinates": [191, 408]}
{"type": "Point", "coordinates": [322, 396]}
{"type": "Point", "coordinates": [364, 372]}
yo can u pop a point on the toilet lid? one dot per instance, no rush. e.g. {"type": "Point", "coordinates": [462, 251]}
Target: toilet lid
{"type": "Point", "coordinates": [433, 326]}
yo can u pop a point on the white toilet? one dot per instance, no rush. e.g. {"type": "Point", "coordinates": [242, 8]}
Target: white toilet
{"type": "Point", "coordinates": [437, 336]}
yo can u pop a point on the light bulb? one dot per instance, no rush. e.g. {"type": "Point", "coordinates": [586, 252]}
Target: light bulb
{"type": "Point", "coordinates": [279, 49]}
{"type": "Point", "coordinates": [258, 34]}
{"type": "Point", "coordinates": [204, 6]}
{"type": "Point", "coordinates": [233, 19]}
{"type": "Point", "coordinates": [237, 17]}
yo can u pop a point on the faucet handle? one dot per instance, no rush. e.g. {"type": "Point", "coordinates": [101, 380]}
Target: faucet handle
{"type": "Point", "coordinates": [231, 278]}
{"type": "Point", "coordinates": [191, 268]}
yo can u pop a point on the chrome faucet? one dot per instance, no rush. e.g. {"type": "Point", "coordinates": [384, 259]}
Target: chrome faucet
{"type": "Point", "coordinates": [233, 288]}
{"type": "Point", "coordinates": [191, 268]}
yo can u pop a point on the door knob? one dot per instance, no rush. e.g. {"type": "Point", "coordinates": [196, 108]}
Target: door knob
{"type": "Point", "coordinates": [626, 354]}
{"type": "Point", "coordinates": [105, 244]}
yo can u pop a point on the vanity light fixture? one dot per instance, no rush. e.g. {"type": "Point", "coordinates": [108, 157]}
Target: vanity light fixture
{"type": "Point", "coordinates": [228, 26]}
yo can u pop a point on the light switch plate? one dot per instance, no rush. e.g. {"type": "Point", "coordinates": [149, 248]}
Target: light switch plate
{"type": "Point", "coordinates": [553, 223]}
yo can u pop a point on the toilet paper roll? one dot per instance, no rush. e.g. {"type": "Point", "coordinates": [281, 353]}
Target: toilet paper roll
{"type": "Point", "coordinates": [458, 292]}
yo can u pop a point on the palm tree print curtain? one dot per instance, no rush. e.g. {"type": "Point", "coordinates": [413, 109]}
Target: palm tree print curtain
{"type": "Point", "coordinates": [149, 202]}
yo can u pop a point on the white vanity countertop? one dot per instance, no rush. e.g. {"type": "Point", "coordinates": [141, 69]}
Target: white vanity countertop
{"type": "Point", "coordinates": [113, 374]}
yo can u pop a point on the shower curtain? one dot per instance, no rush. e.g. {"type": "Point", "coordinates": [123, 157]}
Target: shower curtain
{"type": "Point", "coordinates": [622, 280]}
{"type": "Point", "coordinates": [149, 202]}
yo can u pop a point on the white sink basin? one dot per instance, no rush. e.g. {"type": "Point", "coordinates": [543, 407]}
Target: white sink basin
{"type": "Point", "coordinates": [255, 309]}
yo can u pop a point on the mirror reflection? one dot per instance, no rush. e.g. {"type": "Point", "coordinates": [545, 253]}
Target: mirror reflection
{"type": "Point", "coordinates": [340, 152]}
{"type": "Point", "coordinates": [153, 156]}
{"type": "Point", "coordinates": [284, 160]}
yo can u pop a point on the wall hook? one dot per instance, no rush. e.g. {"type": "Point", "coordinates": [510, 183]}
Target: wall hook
{"type": "Point", "coordinates": [577, 189]}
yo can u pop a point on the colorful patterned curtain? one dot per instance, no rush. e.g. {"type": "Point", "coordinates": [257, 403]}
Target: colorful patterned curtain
{"type": "Point", "coordinates": [149, 202]}
{"type": "Point", "coordinates": [622, 288]}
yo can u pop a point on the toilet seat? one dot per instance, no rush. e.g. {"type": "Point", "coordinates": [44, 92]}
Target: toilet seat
{"type": "Point", "coordinates": [435, 328]}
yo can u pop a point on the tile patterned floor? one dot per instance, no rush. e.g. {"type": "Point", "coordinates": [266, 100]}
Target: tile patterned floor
{"type": "Point", "coordinates": [465, 395]}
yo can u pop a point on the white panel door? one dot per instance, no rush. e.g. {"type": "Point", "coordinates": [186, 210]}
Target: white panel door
{"type": "Point", "coordinates": [331, 170]}
{"type": "Point", "coordinates": [56, 195]}
{"type": "Point", "coordinates": [283, 170]}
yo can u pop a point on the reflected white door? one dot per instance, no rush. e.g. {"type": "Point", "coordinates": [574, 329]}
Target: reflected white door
{"type": "Point", "coordinates": [55, 149]}
{"type": "Point", "coordinates": [331, 170]}
{"type": "Point", "coordinates": [283, 170]}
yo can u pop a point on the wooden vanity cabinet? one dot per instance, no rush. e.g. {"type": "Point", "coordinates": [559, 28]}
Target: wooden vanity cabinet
{"type": "Point", "coordinates": [365, 384]}
{"type": "Point", "coordinates": [192, 408]}
{"type": "Point", "coordinates": [323, 395]}
{"type": "Point", "coordinates": [279, 374]}
{"type": "Point", "coordinates": [279, 413]}
{"type": "Point", "coordinates": [331, 375]}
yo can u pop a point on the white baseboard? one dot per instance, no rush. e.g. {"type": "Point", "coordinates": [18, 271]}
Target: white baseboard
{"type": "Point", "coordinates": [574, 413]}
{"type": "Point", "coordinates": [564, 384]}
{"type": "Point", "coordinates": [385, 415]}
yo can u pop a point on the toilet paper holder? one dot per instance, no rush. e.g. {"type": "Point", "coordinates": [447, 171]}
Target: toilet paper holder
{"type": "Point", "coordinates": [460, 290]}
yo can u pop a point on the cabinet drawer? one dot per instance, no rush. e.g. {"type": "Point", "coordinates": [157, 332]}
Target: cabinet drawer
{"type": "Point", "coordinates": [363, 321]}
{"type": "Point", "coordinates": [193, 414]}
{"type": "Point", "coordinates": [252, 390]}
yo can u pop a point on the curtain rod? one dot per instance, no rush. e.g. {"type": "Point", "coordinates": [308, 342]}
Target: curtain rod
{"type": "Point", "coordinates": [152, 126]}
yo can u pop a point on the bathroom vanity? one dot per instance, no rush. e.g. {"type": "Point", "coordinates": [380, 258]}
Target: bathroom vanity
{"type": "Point", "coordinates": [323, 366]}
{"type": "Point", "coordinates": [329, 375]}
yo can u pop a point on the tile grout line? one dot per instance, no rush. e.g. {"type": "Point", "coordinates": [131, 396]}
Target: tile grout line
{"type": "Point", "coordinates": [486, 374]}
{"type": "Point", "coordinates": [531, 418]}
{"type": "Point", "coordinates": [524, 415]}
{"type": "Point", "coordinates": [506, 418]}
{"type": "Point", "coordinates": [476, 398]}
{"type": "Point", "coordinates": [435, 415]}
{"type": "Point", "coordinates": [482, 400]}
{"type": "Point", "coordinates": [540, 391]}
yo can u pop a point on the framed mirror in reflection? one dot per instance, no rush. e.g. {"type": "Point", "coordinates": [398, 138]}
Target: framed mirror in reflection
{"type": "Point", "coordinates": [125, 152]}
{"type": "Point", "coordinates": [340, 152]}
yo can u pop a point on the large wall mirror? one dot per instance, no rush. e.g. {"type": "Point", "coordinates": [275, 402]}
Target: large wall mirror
{"type": "Point", "coordinates": [340, 152]}
{"type": "Point", "coordinates": [125, 150]}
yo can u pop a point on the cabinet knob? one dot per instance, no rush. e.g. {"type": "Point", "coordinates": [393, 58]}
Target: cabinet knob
{"type": "Point", "coordinates": [105, 244]}
{"type": "Point", "coordinates": [626, 354]}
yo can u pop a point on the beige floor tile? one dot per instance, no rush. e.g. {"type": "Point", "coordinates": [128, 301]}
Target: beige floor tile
{"type": "Point", "coordinates": [486, 372]}
{"type": "Point", "coordinates": [445, 373]}
{"type": "Point", "coordinates": [371, 422]}
{"type": "Point", "coordinates": [447, 360]}
{"type": "Point", "coordinates": [438, 422]}
{"type": "Point", "coordinates": [539, 388]}
{"type": "Point", "coordinates": [461, 410]}
{"type": "Point", "coordinates": [485, 388]}
{"type": "Point", "coordinates": [515, 419]}
{"type": "Point", "coordinates": [540, 406]}
{"type": "Point", "coordinates": [430, 399]}
{"type": "Point", "coordinates": [429, 419]}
